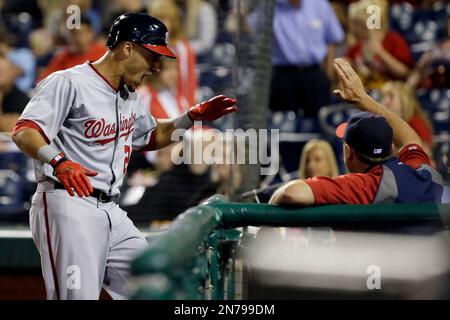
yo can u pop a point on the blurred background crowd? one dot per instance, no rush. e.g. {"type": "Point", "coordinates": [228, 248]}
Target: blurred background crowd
{"type": "Point", "coordinates": [404, 63]}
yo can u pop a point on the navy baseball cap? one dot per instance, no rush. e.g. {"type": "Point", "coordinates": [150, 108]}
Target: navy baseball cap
{"type": "Point", "coordinates": [369, 134]}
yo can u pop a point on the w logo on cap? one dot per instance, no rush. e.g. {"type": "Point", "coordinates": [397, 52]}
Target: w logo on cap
{"type": "Point", "coordinates": [377, 151]}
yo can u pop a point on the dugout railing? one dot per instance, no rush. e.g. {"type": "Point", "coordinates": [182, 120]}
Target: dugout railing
{"type": "Point", "coordinates": [196, 257]}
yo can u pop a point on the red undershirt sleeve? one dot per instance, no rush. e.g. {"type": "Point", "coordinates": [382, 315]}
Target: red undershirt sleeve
{"type": "Point", "coordinates": [24, 124]}
{"type": "Point", "coordinates": [352, 188]}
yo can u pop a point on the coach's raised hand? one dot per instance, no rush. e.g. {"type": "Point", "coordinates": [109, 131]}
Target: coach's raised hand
{"type": "Point", "coordinates": [212, 109]}
{"type": "Point", "coordinates": [350, 87]}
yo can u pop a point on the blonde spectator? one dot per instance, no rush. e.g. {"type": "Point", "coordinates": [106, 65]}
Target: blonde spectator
{"type": "Point", "coordinates": [170, 14]}
{"type": "Point", "coordinates": [318, 160]}
{"type": "Point", "coordinates": [399, 97]}
{"type": "Point", "coordinates": [377, 54]}
{"type": "Point", "coordinates": [41, 44]}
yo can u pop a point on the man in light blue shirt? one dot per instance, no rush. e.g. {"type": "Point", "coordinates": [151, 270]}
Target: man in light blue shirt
{"type": "Point", "coordinates": [22, 59]}
{"type": "Point", "coordinates": [305, 32]}
{"type": "Point", "coordinates": [25, 60]}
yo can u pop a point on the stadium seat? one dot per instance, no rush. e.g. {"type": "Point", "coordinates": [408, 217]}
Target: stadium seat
{"type": "Point", "coordinates": [20, 24]}
{"type": "Point", "coordinates": [401, 17]}
{"type": "Point", "coordinates": [420, 28]}
{"type": "Point", "coordinates": [289, 121]}
{"type": "Point", "coordinates": [331, 116]}
{"type": "Point", "coordinates": [15, 161]}
{"type": "Point", "coordinates": [442, 158]}
{"type": "Point", "coordinates": [422, 36]}
{"type": "Point", "coordinates": [284, 121]}
{"type": "Point", "coordinates": [424, 28]}
{"type": "Point", "coordinates": [439, 13]}
{"type": "Point", "coordinates": [14, 187]}
{"type": "Point", "coordinates": [437, 104]}
{"type": "Point", "coordinates": [215, 68]}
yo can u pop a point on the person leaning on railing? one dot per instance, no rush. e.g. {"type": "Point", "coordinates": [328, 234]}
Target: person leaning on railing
{"type": "Point", "coordinates": [376, 175]}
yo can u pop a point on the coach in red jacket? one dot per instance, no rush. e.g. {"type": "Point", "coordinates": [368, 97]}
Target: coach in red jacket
{"type": "Point", "coordinates": [376, 175]}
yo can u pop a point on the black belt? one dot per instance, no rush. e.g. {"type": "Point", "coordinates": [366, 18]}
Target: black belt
{"type": "Point", "coordinates": [100, 195]}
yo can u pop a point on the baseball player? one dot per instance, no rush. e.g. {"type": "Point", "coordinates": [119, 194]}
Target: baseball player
{"type": "Point", "coordinates": [80, 127]}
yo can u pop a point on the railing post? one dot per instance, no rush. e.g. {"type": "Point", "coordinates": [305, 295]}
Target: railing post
{"type": "Point", "coordinates": [214, 271]}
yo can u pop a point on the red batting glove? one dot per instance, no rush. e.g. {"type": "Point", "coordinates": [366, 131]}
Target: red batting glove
{"type": "Point", "coordinates": [73, 175]}
{"type": "Point", "coordinates": [212, 109]}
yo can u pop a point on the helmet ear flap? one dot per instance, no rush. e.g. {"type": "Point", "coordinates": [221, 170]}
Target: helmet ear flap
{"type": "Point", "coordinates": [112, 39]}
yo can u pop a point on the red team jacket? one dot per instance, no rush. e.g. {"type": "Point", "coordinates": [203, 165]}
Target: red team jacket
{"type": "Point", "coordinates": [363, 188]}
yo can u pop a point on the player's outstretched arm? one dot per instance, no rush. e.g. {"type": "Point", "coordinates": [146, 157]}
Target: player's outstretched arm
{"type": "Point", "coordinates": [296, 192]}
{"type": "Point", "coordinates": [352, 91]}
{"type": "Point", "coordinates": [69, 173]}
{"type": "Point", "coordinates": [209, 110]}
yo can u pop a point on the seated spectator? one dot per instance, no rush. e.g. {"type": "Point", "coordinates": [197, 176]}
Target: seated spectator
{"type": "Point", "coordinates": [378, 55]}
{"type": "Point", "coordinates": [12, 99]}
{"type": "Point", "coordinates": [81, 47]}
{"type": "Point", "coordinates": [400, 99]}
{"type": "Point", "coordinates": [169, 13]}
{"type": "Point", "coordinates": [318, 160]}
{"type": "Point", "coordinates": [376, 175]}
{"type": "Point", "coordinates": [200, 23]}
{"type": "Point", "coordinates": [433, 67]}
{"type": "Point", "coordinates": [22, 59]}
{"type": "Point", "coordinates": [161, 92]}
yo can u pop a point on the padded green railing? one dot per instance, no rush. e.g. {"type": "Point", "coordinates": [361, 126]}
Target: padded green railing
{"type": "Point", "coordinates": [190, 259]}
{"type": "Point", "coordinates": [238, 214]}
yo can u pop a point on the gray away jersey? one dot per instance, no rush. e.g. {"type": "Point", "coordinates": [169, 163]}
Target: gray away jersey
{"type": "Point", "coordinates": [84, 117]}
